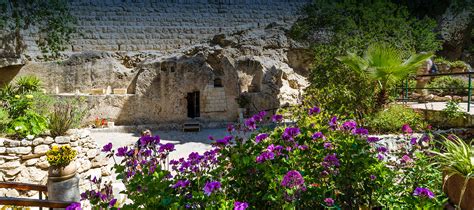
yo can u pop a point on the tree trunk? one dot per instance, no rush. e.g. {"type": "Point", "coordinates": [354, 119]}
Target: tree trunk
{"type": "Point", "coordinates": [382, 98]}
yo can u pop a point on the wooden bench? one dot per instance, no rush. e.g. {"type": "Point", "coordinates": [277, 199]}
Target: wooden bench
{"type": "Point", "coordinates": [29, 201]}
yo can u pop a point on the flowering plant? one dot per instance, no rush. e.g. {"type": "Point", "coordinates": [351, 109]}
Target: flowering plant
{"type": "Point", "coordinates": [60, 156]}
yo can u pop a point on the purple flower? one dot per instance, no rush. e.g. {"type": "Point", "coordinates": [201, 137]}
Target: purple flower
{"type": "Point", "coordinates": [373, 177]}
{"type": "Point", "coordinates": [329, 201]}
{"type": "Point", "coordinates": [210, 138]}
{"type": "Point", "coordinates": [230, 128]}
{"type": "Point", "coordinates": [261, 137]}
{"type": "Point", "coordinates": [302, 147]}
{"type": "Point", "coordinates": [413, 141]}
{"type": "Point", "coordinates": [273, 148]}
{"type": "Point", "coordinates": [121, 151]}
{"type": "Point", "coordinates": [318, 135]}
{"type": "Point", "coordinates": [426, 138]}
{"type": "Point", "coordinates": [314, 110]}
{"type": "Point", "coordinates": [267, 155]}
{"type": "Point", "coordinates": [240, 205]}
{"type": "Point", "coordinates": [168, 147]}
{"type": "Point", "coordinates": [372, 139]}
{"type": "Point", "coordinates": [292, 179]}
{"type": "Point", "coordinates": [327, 145]}
{"type": "Point", "coordinates": [290, 133]}
{"type": "Point", "coordinates": [156, 139]}
{"type": "Point", "coordinates": [331, 160]}
{"type": "Point", "coordinates": [382, 149]}
{"type": "Point", "coordinates": [277, 118]}
{"type": "Point", "coordinates": [181, 184]}
{"type": "Point", "coordinates": [224, 141]}
{"type": "Point", "coordinates": [406, 159]}
{"type": "Point", "coordinates": [361, 131]}
{"type": "Point", "coordinates": [423, 192]}
{"type": "Point", "coordinates": [251, 124]}
{"type": "Point", "coordinates": [107, 147]}
{"type": "Point", "coordinates": [380, 156]}
{"type": "Point", "coordinates": [349, 125]}
{"type": "Point", "coordinates": [210, 187]}
{"type": "Point", "coordinates": [406, 129]}
{"type": "Point", "coordinates": [112, 202]}
{"type": "Point", "coordinates": [74, 206]}
{"type": "Point", "coordinates": [333, 122]}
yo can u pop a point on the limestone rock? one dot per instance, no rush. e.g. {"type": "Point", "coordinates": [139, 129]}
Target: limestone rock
{"type": "Point", "coordinates": [48, 140]}
{"type": "Point", "coordinates": [11, 165]}
{"type": "Point", "coordinates": [11, 143]}
{"type": "Point", "coordinates": [62, 139]}
{"type": "Point", "coordinates": [31, 162]}
{"type": "Point", "coordinates": [91, 153]}
{"type": "Point", "coordinates": [43, 163]}
{"type": "Point", "coordinates": [9, 157]}
{"type": "Point", "coordinates": [14, 171]}
{"type": "Point", "coordinates": [19, 150]}
{"type": "Point", "coordinates": [99, 161]}
{"type": "Point", "coordinates": [38, 141]}
{"type": "Point", "coordinates": [105, 171]}
{"type": "Point", "coordinates": [41, 149]}
{"type": "Point", "coordinates": [3, 150]}
{"type": "Point", "coordinates": [25, 142]}
{"type": "Point", "coordinates": [84, 165]}
{"type": "Point", "coordinates": [1, 141]}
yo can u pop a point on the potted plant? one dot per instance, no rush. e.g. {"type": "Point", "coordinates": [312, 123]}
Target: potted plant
{"type": "Point", "coordinates": [457, 162]}
{"type": "Point", "coordinates": [61, 161]}
{"type": "Point", "coordinates": [458, 66]}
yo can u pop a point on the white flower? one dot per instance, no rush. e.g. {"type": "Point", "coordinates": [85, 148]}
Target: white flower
{"type": "Point", "coordinates": [30, 137]}
{"type": "Point", "coordinates": [18, 128]}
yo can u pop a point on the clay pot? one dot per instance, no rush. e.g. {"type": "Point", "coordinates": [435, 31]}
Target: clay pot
{"type": "Point", "coordinates": [62, 173]}
{"type": "Point", "coordinates": [453, 186]}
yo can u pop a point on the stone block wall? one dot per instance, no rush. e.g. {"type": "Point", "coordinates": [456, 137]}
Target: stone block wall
{"type": "Point", "coordinates": [25, 160]}
{"type": "Point", "coordinates": [116, 25]}
{"type": "Point", "coordinates": [214, 99]}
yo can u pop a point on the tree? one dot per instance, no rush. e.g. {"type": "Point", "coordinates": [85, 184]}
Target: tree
{"type": "Point", "coordinates": [385, 64]}
{"type": "Point", "coordinates": [50, 19]}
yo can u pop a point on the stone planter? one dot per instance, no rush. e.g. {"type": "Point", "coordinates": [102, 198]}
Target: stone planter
{"type": "Point", "coordinates": [457, 69]}
{"type": "Point", "coordinates": [453, 186]}
{"type": "Point", "coordinates": [62, 173]}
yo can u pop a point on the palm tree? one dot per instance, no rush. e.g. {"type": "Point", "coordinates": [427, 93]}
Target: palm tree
{"type": "Point", "coordinates": [384, 64]}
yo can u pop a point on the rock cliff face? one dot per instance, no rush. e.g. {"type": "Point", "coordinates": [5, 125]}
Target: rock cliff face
{"type": "Point", "coordinates": [263, 64]}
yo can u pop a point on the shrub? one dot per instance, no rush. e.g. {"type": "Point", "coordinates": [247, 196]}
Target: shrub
{"type": "Point", "coordinates": [393, 118]}
{"type": "Point", "coordinates": [335, 27]}
{"type": "Point", "coordinates": [458, 64]}
{"type": "Point", "coordinates": [446, 83]}
{"type": "Point", "coordinates": [4, 119]}
{"type": "Point", "coordinates": [28, 84]}
{"type": "Point", "coordinates": [318, 162]}
{"type": "Point", "coordinates": [60, 156]}
{"type": "Point", "coordinates": [66, 114]}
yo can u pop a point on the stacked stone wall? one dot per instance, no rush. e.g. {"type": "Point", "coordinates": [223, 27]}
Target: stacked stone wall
{"type": "Point", "coordinates": [114, 25]}
{"type": "Point", "coordinates": [25, 160]}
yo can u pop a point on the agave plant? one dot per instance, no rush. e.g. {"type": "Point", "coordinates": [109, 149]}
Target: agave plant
{"type": "Point", "coordinates": [385, 64]}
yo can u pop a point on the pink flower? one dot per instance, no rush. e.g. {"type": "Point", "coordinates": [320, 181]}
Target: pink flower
{"type": "Point", "coordinates": [406, 129]}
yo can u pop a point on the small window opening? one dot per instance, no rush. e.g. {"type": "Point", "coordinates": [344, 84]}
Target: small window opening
{"type": "Point", "coordinates": [218, 82]}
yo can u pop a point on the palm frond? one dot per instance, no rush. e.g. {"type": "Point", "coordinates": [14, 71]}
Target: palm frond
{"type": "Point", "coordinates": [354, 62]}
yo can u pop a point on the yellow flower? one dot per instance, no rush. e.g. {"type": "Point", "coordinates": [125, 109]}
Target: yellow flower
{"type": "Point", "coordinates": [17, 96]}
{"type": "Point", "coordinates": [55, 148]}
{"type": "Point", "coordinates": [29, 96]}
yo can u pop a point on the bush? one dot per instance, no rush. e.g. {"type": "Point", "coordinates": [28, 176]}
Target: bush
{"type": "Point", "coordinates": [393, 118]}
{"type": "Point", "coordinates": [335, 27]}
{"type": "Point", "coordinates": [28, 84]}
{"type": "Point", "coordinates": [66, 114]}
{"type": "Point", "coordinates": [4, 119]}
{"type": "Point", "coordinates": [447, 82]}
{"type": "Point", "coordinates": [319, 162]}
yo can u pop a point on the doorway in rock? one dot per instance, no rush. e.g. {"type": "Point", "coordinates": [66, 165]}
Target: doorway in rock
{"type": "Point", "coordinates": [193, 104]}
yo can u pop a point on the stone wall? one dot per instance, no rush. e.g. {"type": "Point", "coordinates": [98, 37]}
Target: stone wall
{"type": "Point", "coordinates": [25, 161]}
{"type": "Point", "coordinates": [113, 25]}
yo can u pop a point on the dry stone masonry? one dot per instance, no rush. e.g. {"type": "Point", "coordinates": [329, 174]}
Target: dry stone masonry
{"type": "Point", "coordinates": [25, 160]}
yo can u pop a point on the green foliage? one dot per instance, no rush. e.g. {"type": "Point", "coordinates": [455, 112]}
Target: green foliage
{"type": "Point", "coordinates": [60, 156]}
{"type": "Point", "coordinates": [384, 64]}
{"type": "Point", "coordinates": [458, 64]}
{"type": "Point", "coordinates": [4, 119]}
{"type": "Point", "coordinates": [452, 110]}
{"type": "Point", "coordinates": [28, 84]}
{"type": "Point", "coordinates": [66, 114]}
{"type": "Point", "coordinates": [447, 82]}
{"type": "Point", "coordinates": [25, 111]}
{"type": "Point", "coordinates": [456, 157]}
{"type": "Point", "coordinates": [393, 118]}
{"type": "Point", "coordinates": [243, 100]}
{"type": "Point", "coordinates": [52, 18]}
{"type": "Point", "coordinates": [335, 27]}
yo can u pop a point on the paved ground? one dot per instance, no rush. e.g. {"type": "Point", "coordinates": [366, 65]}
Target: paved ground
{"type": "Point", "coordinates": [438, 106]}
{"type": "Point", "coordinates": [185, 142]}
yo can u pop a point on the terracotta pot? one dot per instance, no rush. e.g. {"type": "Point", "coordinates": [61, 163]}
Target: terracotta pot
{"type": "Point", "coordinates": [62, 173]}
{"type": "Point", "coordinates": [453, 186]}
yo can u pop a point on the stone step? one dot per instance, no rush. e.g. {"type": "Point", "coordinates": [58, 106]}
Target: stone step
{"type": "Point", "coordinates": [191, 127]}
